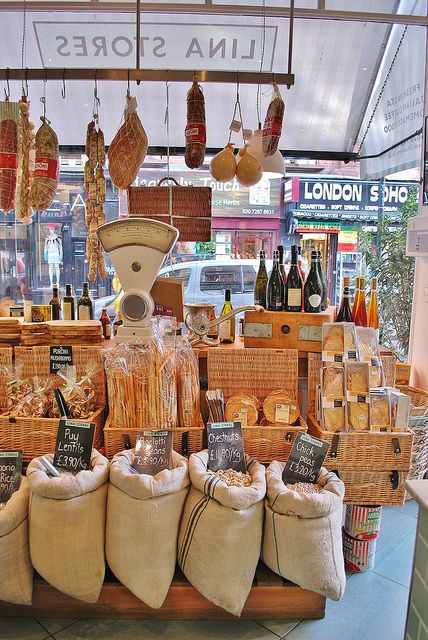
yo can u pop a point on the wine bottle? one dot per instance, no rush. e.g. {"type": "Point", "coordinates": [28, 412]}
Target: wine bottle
{"type": "Point", "coordinates": [280, 250]}
{"type": "Point", "coordinates": [68, 304]}
{"type": "Point", "coordinates": [275, 287]}
{"type": "Point", "coordinates": [260, 284]}
{"type": "Point", "coordinates": [294, 285]}
{"type": "Point", "coordinates": [117, 323]}
{"type": "Point", "coordinates": [356, 298]}
{"type": "Point", "coordinates": [105, 324]}
{"type": "Point", "coordinates": [55, 304]}
{"type": "Point", "coordinates": [299, 263]}
{"type": "Point", "coordinates": [324, 286]}
{"type": "Point", "coordinates": [227, 328]}
{"type": "Point", "coordinates": [345, 313]}
{"type": "Point", "coordinates": [373, 311]}
{"type": "Point", "coordinates": [85, 306]}
{"type": "Point", "coordinates": [361, 312]}
{"type": "Point", "coordinates": [312, 294]}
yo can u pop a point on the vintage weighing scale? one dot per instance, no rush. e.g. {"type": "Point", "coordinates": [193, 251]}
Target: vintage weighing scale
{"type": "Point", "coordinates": [137, 248]}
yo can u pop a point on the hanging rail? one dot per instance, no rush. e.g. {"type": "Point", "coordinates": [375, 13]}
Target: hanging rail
{"type": "Point", "coordinates": [145, 75]}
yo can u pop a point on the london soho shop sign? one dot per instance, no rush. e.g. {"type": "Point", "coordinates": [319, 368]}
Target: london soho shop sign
{"type": "Point", "coordinates": [344, 196]}
{"type": "Point", "coordinates": [215, 46]}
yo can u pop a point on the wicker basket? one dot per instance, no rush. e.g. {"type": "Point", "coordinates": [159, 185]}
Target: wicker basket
{"type": "Point", "coordinates": [5, 361]}
{"type": "Point", "coordinates": [386, 488]}
{"type": "Point", "coordinates": [314, 368]}
{"type": "Point", "coordinates": [36, 361]}
{"type": "Point", "coordinates": [365, 450]}
{"type": "Point", "coordinates": [187, 208]}
{"type": "Point", "coordinates": [271, 443]}
{"type": "Point", "coordinates": [185, 440]}
{"type": "Point", "coordinates": [253, 371]}
{"type": "Point", "coordinates": [418, 423]}
{"type": "Point", "coordinates": [37, 436]}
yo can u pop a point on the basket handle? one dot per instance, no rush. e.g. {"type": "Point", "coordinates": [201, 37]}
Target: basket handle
{"type": "Point", "coordinates": [167, 179]}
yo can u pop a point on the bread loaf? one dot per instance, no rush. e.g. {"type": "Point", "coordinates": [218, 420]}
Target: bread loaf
{"type": "Point", "coordinates": [358, 416]}
{"type": "Point", "coordinates": [128, 148]}
{"type": "Point", "coordinates": [280, 408]}
{"type": "Point", "coordinates": [246, 406]}
{"type": "Point", "coordinates": [332, 382]}
{"type": "Point", "coordinates": [334, 418]}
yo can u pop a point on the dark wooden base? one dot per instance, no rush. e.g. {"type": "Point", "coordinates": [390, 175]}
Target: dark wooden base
{"type": "Point", "coordinates": [270, 598]}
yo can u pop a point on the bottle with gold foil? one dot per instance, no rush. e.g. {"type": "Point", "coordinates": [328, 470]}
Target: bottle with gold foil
{"type": "Point", "coordinates": [226, 329]}
{"type": "Point", "coordinates": [356, 297]}
{"type": "Point", "coordinates": [373, 310]}
{"type": "Point", "coordinates": [345, 313]}
{"type": "Point", "coordinates": [360, 318]}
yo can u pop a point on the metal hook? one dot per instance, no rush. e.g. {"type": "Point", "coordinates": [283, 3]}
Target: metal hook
{"type": "Point", "coordinates": [7, 91]}
{"type": "Point", "coordinates": [237, 86]}
{"type": "Point", "coordinates": [63, 85]}
{"type": "Point", "coordinates": [128, 92]}
{"type": "Point", "coordinates": [97, 101]}
{"type": "Point", "coordinates": [25, 84]}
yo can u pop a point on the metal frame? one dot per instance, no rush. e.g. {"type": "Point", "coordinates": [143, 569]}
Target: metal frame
{"type": "Point", "coordinates": [318, 13]}
{"type": "Point", "coordinates": [146, 75]}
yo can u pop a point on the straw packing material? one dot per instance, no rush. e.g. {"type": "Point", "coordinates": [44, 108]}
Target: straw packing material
{"type": "Point", "coordinates": [359, 554]}
{"type": "Point", "coordinates": [362, 523]}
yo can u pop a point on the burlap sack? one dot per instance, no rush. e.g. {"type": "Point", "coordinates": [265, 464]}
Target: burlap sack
{"type": "Point", "coordinates": [302, 538]}
{"type": "Point", "coordinates": [143, 517]}
{"type": "Point", "coordinates": [220, 534]}
{"type": "Point", "coordinates": [16, 572]}
{"type": "Point", "coordinates": [67, 525]}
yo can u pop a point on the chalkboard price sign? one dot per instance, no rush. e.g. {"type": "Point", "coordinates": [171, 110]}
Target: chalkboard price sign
{"type": "Point", "coordinates": [225, 446]}
{"type": "Point", "coordinates": [74, 445]}
{"type": "Point", "coordinates": [305, 459]}
{"type": "Point", "coordinates": [60, 357]}
{"type": "Point", "coordinates": [10, 473]}
{"type": "Point", "coordinates": [153, 451]}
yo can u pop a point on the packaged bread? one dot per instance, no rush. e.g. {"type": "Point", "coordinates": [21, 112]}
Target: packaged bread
{"type": "Point", "coordinates": [357, 382]}
{"type": "Point", "coordinates": [368, 348]}
{"type": "Point", "coordinates": [242, 408]}
{"type": "Point", "coordinates": [350, 341]}
{"type": "Point", "coordinates": [333, 417]}
{"type": "Point", "coordinates": [380, 411]}
{"type": "Point", "coordinates": [332, 342]}
{"type": "Point", "coordinates": [280, 408]}
{"type": "Point", "coordinates": [333, 384]}
{"type": "Point", "coordinates": [187, 374]}
{"type": "Point", "coordinates": [358, 416]}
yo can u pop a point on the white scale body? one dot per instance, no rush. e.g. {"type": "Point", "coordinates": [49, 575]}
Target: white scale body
{"type": "Point", "coordinates": [137, 248]}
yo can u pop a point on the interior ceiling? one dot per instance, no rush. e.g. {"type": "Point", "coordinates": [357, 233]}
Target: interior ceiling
{"type": "Point", "coordinates": [334, 66]}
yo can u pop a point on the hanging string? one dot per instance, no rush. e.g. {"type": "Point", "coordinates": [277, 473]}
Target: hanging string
{"type": "Point", "coordinates": [166, 122]}
{"type": "Point", "coordinates": [237, 109]}
{"type": "Point", "coordinates": [7, 88]}
{"type": "Point", "coordinates": [43, 99]}
{"type": "Point", "coordinates": [262, 58]}
{"type": "Point", "coordinates": [97, 101]}
{"type": "Point", "coordinates": [128, 91]}
{"type": "Point", "coordinates": [63, 85]}
{"type": "Point", "coordinates": [23, 45]}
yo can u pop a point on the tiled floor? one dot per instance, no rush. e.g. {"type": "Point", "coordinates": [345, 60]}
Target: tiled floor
{"type": "Point", "coordinates": [374, 605]}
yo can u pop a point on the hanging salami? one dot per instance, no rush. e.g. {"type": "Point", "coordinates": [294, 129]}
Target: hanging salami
{"type": "Point", "coordinates": [9, 114]}
{"type": "Point", "coordinates": [195, 132]}
{"type": "Point", "coordinates": [272, 127]}
{"type": "Point", "coordinates": [45, 181]}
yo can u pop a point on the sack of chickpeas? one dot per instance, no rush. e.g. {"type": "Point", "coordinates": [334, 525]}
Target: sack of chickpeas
{"type": "Point", "coordinates": [143, 517]}
{"type": "Point", "coordinates": [221, 530]}
{"type": "Point", "coordinates": [67, 527]}
{"type": "Point", "coordinates": [16, 572]}
{"type": "Point", "coordinates": [302, 539]}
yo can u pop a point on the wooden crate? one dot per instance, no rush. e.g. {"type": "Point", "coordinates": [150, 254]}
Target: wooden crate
{"type": "Point", "coordinates": [284, 330]}
{"type": "Point", "coordinates": [36, 362]}
{"type": "Point", "coordinates": [185, 440]}
{"type": "Point", "coordinates": [314, 368]}
{"type": "Point", "coordinates": [253, 371]}
{"type": "Point", "coordinates": [365, 450]}
{"type": "Point", "coordinates": [268, 443]}
{"type": "Point", "coordinates": [37, 436]}
{"type": "Point", "coordinates": [270, 596]}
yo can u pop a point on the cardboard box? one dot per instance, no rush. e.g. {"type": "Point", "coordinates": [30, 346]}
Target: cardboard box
{"type": "Point", "coordinates": [168, 294]}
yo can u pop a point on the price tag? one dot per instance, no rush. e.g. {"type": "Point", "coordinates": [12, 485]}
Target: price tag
{"type": "Point", "coordinates": [242, 417]}
{"type": "Point", "coordinates": [153, 451]}
{"type": "Point", "coordinates": [60, 357]}
{"type": "Point", "coordinates": [305, 460]}
{"type": "Point", "coordinates": [282, 413]}
{"type": "Point", "coordinates": [74, 445]}
{"type": "Point", "coordinates": [235, 126]}
{"type": "Point", "coordinates": [225, 446]}
{"type": "Point", "coordinates": [10, 473]}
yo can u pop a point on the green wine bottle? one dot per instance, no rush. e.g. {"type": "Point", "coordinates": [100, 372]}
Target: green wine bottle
{"type": "Point", "coordinates": [55, 304]}
{"type": "Point", "coordinates": [226, 329]}
{"type": "Point", "coordinates": [275, 287]}
{"type": "Point", "coordinates": [260, 284]}
{"type": "Point", "coordinates": [68, 304]}
{"type": "Point", "coordinates": [85, 306]}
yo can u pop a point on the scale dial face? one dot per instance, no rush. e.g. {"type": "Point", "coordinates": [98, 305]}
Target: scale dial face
{"type": "Point", "coordinates": [138, 232]}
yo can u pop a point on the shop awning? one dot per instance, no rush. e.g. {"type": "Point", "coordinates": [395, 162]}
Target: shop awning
{"type": "Point", "coordinates": [336, 64]}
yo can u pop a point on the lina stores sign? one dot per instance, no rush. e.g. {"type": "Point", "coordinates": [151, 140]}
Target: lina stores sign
{"type": "Point", "coordinates": [98, 44]}
{"type": "Point", "coordinates": [343, 196]}
{"type": "Point", "coordinates": [229, 199]}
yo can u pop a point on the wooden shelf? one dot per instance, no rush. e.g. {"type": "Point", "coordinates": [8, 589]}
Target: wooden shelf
{"type": "Point", "coordinates": [270, 598]}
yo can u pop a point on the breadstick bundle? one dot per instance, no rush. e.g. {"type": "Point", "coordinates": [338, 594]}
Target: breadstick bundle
{"type": "Point", "coordinates": [187, 378]}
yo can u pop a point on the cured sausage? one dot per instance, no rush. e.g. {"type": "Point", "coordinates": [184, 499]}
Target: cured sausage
{"type": "Point", "coordinates": [272, 127]}
{"type": "Point", "coordinates": [8, 163]}
{"type": "Point", "coordinates": [195, 132]}
{"type": "Point", "coordinates": [45, 182]}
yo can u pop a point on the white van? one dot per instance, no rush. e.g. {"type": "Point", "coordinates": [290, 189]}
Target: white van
{"type": "Point", "coordinates": [206, 280]}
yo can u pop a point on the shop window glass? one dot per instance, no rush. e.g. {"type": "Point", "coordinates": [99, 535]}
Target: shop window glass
{"type": "Point", "coordinates": [221, 277]}
{"type": "Point", "coordinates": [249, 274]}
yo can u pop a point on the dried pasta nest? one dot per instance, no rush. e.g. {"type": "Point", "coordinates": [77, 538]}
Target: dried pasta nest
{"type": "Point", "coordinates": [276, 405]}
